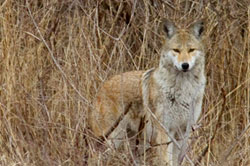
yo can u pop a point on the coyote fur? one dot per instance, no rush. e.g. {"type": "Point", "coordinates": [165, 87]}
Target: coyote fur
{"type": "Point", "coordinates": [164, 100]}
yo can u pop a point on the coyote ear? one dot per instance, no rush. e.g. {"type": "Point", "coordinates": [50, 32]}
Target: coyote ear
{"type": "Point", "coordinates": [169, 28]}
{"type": "Point", "coordinates": [197, 28]}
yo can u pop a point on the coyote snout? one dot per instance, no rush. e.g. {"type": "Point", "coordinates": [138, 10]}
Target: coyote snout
{"type": "Point", "coordinates": [161, 103]}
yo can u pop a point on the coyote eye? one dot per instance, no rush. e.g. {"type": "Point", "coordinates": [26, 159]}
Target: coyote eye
{"type": "Point", "coordinates": [191, 50]}
{"type": "Point", "coordinates": [176, 50]}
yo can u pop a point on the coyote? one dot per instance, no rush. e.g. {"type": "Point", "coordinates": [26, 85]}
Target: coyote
{"type": "Point", "coordinates": [162, 102]}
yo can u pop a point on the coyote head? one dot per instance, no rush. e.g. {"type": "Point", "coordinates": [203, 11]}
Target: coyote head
{"type": "Point", "coordinates": [183, 47]}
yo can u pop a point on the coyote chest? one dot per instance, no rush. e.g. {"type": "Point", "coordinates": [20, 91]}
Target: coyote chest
{"type": "Point", "coordinates": [175, 97]}
{"type": "Point", "coordinates": [176, 102]}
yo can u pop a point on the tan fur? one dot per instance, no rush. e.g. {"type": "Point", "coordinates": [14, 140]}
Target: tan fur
{"type": "Point", "coordinates": [171, 95]}
{"type": "Point", "coordinates": [112, 98]}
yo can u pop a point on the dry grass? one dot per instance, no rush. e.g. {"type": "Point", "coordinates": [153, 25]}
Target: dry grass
{"type": "Point", "coordinates": [56, 54]}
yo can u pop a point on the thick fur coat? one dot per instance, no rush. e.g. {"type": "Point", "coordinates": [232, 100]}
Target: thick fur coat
{"type": "Point", "coordinates": [167, 100]}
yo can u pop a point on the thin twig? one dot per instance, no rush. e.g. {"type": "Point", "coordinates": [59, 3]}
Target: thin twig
{"type": "Point", "coordinates": [52, 55]}
{"type": "Point", "coordinates": [205, 150]}
{"type": "Point", "coordinates": [235, 142]}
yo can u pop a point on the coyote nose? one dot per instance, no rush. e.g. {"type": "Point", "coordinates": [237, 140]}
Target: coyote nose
{"type": "Point", "coordinates": [185, 66]}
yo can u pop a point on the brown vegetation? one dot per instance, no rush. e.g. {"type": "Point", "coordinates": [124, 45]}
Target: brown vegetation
{"type": "Point", "coordinates": [54, 55]}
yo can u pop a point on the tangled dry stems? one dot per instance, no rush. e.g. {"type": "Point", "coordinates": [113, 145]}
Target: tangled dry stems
{"type": "Point", "coordinates": [55, 55]}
